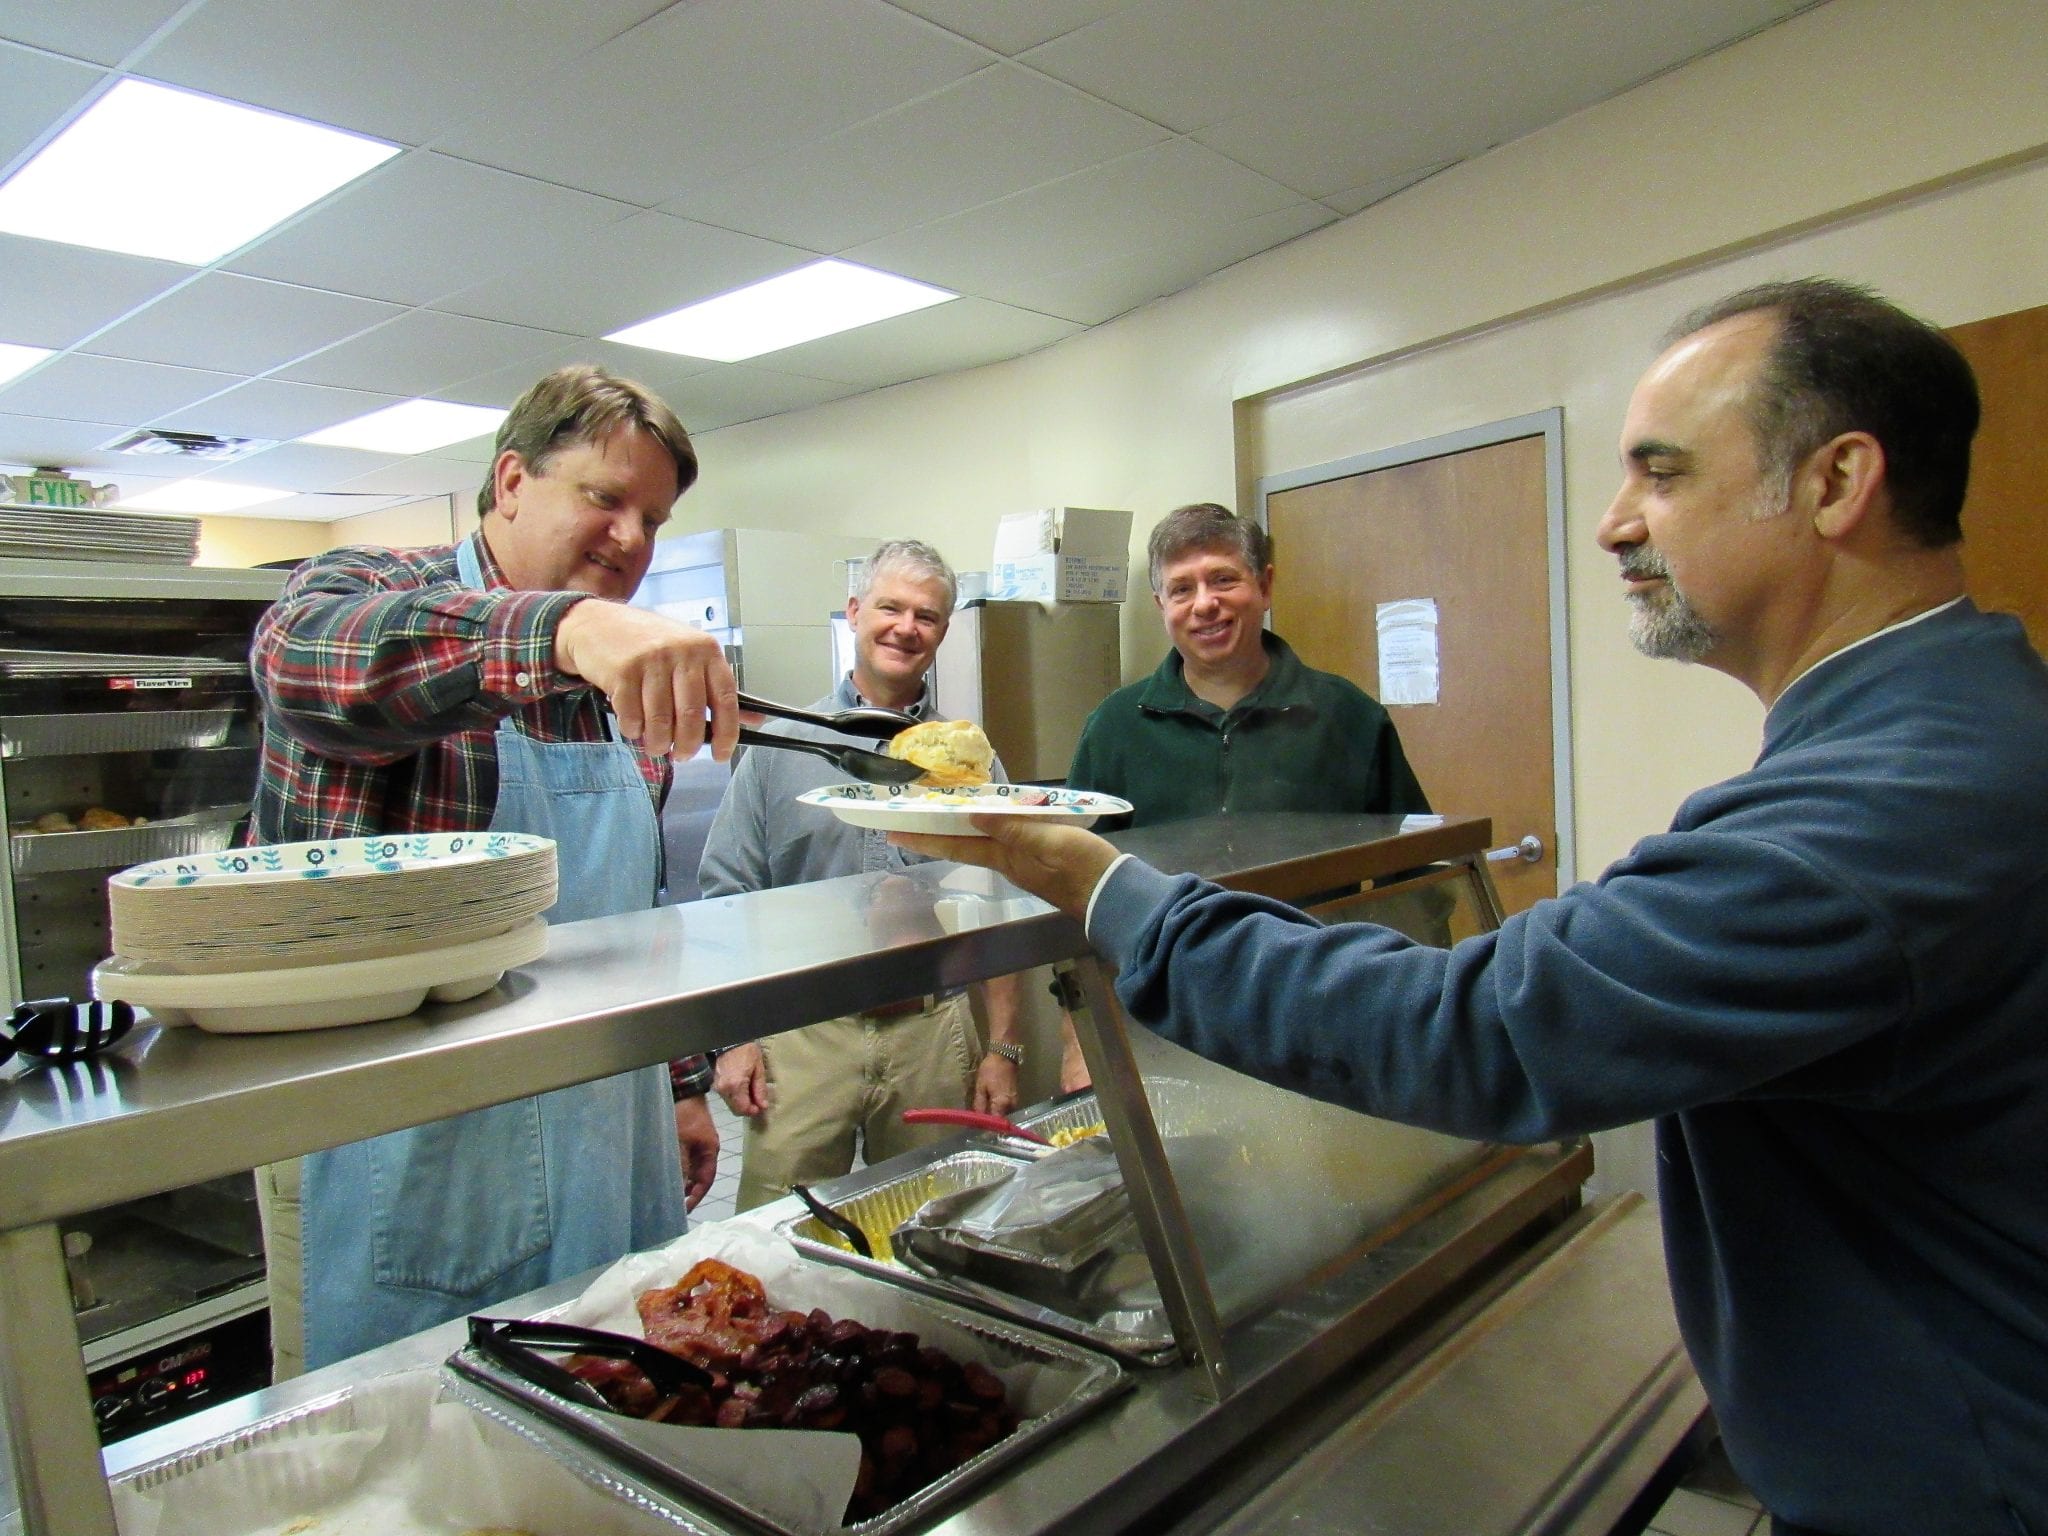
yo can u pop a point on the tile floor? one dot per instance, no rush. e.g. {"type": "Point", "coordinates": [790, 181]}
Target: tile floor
{"type": "Point", "coordinates": [1710, 1502]}
{"type": "Point", "coordinates": [717, 1205]}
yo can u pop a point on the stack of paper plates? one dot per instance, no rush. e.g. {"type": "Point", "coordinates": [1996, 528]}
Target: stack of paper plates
{"type": "Point", "coordinates": [327, 903]}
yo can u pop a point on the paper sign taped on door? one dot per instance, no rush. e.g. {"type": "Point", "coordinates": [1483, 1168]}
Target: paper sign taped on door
{"type": "Point", "coordinates": [1408, 651]}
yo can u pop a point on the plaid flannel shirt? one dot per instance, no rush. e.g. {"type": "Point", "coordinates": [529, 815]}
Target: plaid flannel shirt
{"type": "Point", "coordinates": [383, 680]}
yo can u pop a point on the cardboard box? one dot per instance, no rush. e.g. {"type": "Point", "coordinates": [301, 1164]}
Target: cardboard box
{"type": "Point", "coordinates": [1090, 532]}
{"type": "Point", "coordinates": [1060, 579]}
{"type": "Point", "coordinates": [1063, 555]}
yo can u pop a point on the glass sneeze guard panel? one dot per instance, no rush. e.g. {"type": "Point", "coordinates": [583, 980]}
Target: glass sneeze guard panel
{"type": "Point", "coordinates": [1271, 1187]}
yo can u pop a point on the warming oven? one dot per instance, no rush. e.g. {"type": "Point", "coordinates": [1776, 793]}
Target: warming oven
{"type": "Point", "coordinates": [128, 733]}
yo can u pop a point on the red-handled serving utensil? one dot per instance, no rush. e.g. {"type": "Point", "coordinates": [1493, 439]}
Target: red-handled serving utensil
{"type": "Point", "coordinates": [973, 1119]}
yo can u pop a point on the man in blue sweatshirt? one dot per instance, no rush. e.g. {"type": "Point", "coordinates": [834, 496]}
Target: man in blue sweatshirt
{"type": "Point", "coordinates": [1828, 981]}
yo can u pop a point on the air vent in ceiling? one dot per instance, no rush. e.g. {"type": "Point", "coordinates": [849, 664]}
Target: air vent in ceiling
{"type": "Point", "coordinates": [156, 442]}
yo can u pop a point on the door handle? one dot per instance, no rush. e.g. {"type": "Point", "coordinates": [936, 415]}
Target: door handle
{"type": "Point", "coordinates": [1529, 850]}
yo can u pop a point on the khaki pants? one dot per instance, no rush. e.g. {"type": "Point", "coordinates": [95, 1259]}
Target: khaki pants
{"type": "Point", "coordinates": [277, 1203]}
{"type": "Point", "coordinates": [844, 1084]}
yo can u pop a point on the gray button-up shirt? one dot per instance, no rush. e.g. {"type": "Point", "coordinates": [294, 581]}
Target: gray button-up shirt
{"type": "Point", "coordinates": [762, 839]}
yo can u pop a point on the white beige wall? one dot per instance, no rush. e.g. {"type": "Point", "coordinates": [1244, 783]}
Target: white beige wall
{"type": "Point", "coordinates": [247, 541]}
{"type": "Point", "coordinates": [437, 520]}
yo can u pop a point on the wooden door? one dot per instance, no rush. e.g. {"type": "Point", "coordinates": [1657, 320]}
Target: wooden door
{"type": "Point", "coordinates": [2005, 520]}
{"type": "Point", "coordinates": [1471, 530]}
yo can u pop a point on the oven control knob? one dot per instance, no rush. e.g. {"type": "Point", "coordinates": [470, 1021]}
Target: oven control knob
{"type": "Point", "coordinates": [111, 1408]}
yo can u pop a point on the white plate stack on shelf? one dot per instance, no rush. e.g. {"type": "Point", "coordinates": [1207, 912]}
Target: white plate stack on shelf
{"type": "Point", "coordinates": [309, 935]}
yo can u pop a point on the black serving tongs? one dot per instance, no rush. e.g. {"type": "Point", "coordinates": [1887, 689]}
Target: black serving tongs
{"type": "Point", "coordinates": [871, 766]}
{"type": "Point", "coordinates": [848, 1229]}
{"type": "Point", "coordinates": [58, 1029]}
{"type": "Point", "coordinates": [513, 1344]}
{"type": "Point", "coordinates": [862, 720]}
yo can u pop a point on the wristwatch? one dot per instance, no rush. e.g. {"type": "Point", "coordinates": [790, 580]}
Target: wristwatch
{"type": "Point", "coordinates": [1013, 1054]}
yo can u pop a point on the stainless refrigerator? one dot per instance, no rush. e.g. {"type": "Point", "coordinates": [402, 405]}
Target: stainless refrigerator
{"type": "Point", "coordinates": [1029, 672]}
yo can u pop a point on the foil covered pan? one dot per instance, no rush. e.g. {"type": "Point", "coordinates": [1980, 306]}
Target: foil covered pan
{"type": "Point", "coordinates": [882, 1205]}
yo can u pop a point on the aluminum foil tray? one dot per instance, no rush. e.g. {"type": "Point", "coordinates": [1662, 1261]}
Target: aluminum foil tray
{"type": "Point", "coordinates": [49, 853]}
{"type": "Point", "coordinates": [591, 1444]}
{"type": "Point", "coordinates": [1065, 1119]}
{"type": "Point", "coordinates": [879, 1206]}
{"type": "Point", "coordinates": [141, 730]}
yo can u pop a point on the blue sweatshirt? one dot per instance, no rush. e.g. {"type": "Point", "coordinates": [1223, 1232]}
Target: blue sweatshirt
{"type": "Point", "coordinates": [1829, 980]}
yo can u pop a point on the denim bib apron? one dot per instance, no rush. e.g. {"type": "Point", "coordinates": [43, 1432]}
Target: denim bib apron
{"type": "Point", "coordinates": [414, 1228]}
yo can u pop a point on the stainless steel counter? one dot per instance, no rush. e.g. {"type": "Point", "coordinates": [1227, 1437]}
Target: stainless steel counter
{"type": "Point", "coordinates": [174, 1107]}
{"type": "Point", "coordinates": [1541, 1403]}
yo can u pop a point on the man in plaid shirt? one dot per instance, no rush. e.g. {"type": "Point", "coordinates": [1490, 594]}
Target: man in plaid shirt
{"type": "Point", "coordinates": [474, 687]}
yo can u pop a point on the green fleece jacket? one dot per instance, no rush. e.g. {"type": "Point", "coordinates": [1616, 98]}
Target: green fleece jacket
{"type": "Point", "coordinates": [1302, 740]}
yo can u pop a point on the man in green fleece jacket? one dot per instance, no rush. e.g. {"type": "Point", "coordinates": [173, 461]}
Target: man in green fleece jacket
{"type": "Point", "coordinates": [1233, 720]}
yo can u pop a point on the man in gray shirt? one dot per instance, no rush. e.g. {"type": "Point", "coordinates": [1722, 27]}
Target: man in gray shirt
{"type": "Point", "coordinates": [814, 1095]}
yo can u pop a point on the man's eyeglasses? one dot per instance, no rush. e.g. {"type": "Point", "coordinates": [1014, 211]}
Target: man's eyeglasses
{"type": "Point", "coordinates": [58, 1029]}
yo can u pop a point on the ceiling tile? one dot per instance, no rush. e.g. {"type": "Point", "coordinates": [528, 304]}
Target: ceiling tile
{"type": "Point", "coordinates": [28, 442]}
{"type": "Point", "coordinates": [994, 133]}
{"type": "Point", "coordinates": [705, 89]}
{"type": "Point", "coordinates": [424, 226]}
{"type": "Point", "coordinates": [56, 295]}
{"type": "Point", "coordinates": [421, 353]}
{"type": "Point", "coordinates": [417, 477]}
{"type": "Point", "coordinates": [238, 324]}
{"type": "Point", "coordinates": [1187, 63]}
{"type": "Point", "coordinates": [662, 372]}
{"type": "Point", "coordinates": [606, 279]}
{"type": "Point", "coordinates": [1097, 291]}
{"type": "Point", "coordinates": [394, 68]}
{"type": "Point", "coordinates": [272, 408]}
{"type": "Point", "coordinates": [1544, 69]}
{"type": "Point", "coordinates": [1011, 28]}
{"type": "Point", "coordinates": [1139, 203]}
{"type": "Point", "coordinates": [965, 333]}
{"type": "Point", "coordinates": [103, 31]}
{"type": "Point", "coordinates": [1352, 199]}
{"type": "Point", "coordinates": [79, 388]}
{"type": "Point", "coordinates": [471, 450]}
{"type": "Point", "coordinates": [1428, 110]}
{"type": "Point", "coordinates": [304, 467]}
{"type": "Point", "coordinates": [1058, 162]}
{"type": "Point", "coordinates": [291, 508]}
{"type": "Point", "coordinates": [37, 93]}
{"type": "Point", "coordinates": [737, 392]}
{"type": "Point", "coordinates": [323, 508]}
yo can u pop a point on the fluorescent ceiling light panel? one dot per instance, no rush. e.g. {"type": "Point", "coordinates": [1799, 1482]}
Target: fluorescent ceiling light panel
{"type": "Point", "coordinates": [201, 496]}
{"type": "Point", "coordinates": [150, 171]}
{"type": "Point", "coordinates": [414, 426]}
{"type": "Point", "coordinates": [822, 299]}
{"type": "Point", "coordinates": [15, 361]}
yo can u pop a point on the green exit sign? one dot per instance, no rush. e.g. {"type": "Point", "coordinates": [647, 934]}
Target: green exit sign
{"type": "Point", "coordinates": [47, 489]}
{"type": "Point", "coordinates": [46, 492]}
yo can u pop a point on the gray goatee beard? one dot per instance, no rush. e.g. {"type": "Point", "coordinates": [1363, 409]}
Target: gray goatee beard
{"type": "Point", "coordinates": [1661, 623]}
